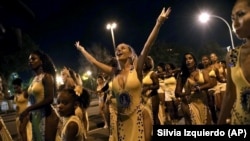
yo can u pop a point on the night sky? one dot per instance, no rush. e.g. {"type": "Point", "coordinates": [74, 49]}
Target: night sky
{"type": "Point", "coordinates": [57, 24]}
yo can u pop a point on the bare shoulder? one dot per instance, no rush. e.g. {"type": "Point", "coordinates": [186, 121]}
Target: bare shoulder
{"type": "Point", "coordinates": [48, 77]}
{"type": "Point", "coordinates": [71, 129]}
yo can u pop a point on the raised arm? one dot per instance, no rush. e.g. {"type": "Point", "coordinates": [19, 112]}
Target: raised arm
{"type": "Point", "coordinates": [152, 37]}
{"type": "Point", "coordinates": [105, 68]}
{"type": "Point", "coordinates": [154, 33]}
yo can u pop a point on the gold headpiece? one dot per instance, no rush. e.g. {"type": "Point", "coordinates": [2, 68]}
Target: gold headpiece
{"type": "Point", "coordinates": [78, 90]}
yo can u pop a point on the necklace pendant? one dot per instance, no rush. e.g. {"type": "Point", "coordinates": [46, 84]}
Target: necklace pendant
{"type": "Point", "coordinates": [124, 99]}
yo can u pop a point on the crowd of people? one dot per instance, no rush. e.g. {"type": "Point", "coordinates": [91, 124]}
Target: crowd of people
{"type": "Point", "coordinates": [137, 94]}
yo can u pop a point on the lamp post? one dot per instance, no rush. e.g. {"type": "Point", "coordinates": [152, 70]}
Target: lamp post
{"type": "Point", "coordinates": [111, 27]}
{"type": "Point", "coordinates": [204, 17]}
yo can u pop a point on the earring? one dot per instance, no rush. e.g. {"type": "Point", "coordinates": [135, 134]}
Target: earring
{"type": "Point", "coordinates": [131, 61]}
{"type": "Point", "coordinates": [233, 58]}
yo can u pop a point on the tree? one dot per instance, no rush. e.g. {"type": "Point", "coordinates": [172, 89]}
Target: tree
{"type": "Point", "coordinates": [17, 60]}
{"type": "Point", "coordinates": [172, 52]}
{"type": "Point", "coordinates": [167, 52]}
{"type": "Point", "coordinates": [100, 53]}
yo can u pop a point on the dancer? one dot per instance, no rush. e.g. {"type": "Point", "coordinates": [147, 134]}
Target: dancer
{"type": "Point", "coordinates": [195, 83]}
{"type": "Point", "coordinates": [20, 98]}
{"type": "Point", "coordinates": [236, 101]}
{"type": "Point", "coordinates": [41, 92]}
{"type": "Point", "coordinates": [131, 119]}
{"type": "Point", "coordinates": [100, 85]}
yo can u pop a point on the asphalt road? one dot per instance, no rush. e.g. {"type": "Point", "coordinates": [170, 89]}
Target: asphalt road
{"type": "Point", "coordinates": [96, 132]}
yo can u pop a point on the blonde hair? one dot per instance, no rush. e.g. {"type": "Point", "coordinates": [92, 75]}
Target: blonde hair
{"type": "Point", "coordinates": [73, 77]}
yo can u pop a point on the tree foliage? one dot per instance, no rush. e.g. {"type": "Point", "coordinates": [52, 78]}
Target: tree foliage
{"type": "Point", "coordinates": [101, 54]}
{"type": "Point", "coordinates": [171, 52]}
{"type": "Point", "coordinates": [16, 59]}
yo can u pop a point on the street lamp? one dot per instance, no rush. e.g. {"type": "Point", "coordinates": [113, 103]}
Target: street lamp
{"type": "Point", "coordinates": [59, 79]}
{"type": "Point", "coordinates": [111, 27]}
{"type": "Point", "coordinates": [89, 73]}
{"type": "Point", "coordinates": [204, 17]}
{"type": "Point", "coordinates": [86, 75]}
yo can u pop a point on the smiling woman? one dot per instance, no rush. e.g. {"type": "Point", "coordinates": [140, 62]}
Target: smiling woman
{"type": "Point", "coordinates": [127, 109]}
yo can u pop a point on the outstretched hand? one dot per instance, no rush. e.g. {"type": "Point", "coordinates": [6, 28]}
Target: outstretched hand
{"type": "Point", "coordinates": [77, 45]}
{"type": "Point", "coordinates": [164, 14]}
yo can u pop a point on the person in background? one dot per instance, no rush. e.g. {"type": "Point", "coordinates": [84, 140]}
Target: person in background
{"type": "Point", "coordinates": [100, 85]}
{"type": "Point", "coordinates": [150, 86]}
{"type": "Point", "coordinates": [160, 71]}
{"type": "Point", "coordinates": [224, 69]}
{"type": "Point", "coordinates": [41, 93]}
{"type": "Point", "coordinates": [170, 99]}
{"type": "Point", "coordinates": [236, 101]}
{"type": "Point", "coordinates": [213, 74]}
{"type": "Point", "coordinates": [220, 88]}
{"type": "Point", "coordinates": [127, 87]}
{"type": "Point", "coordinates": [4, 132]}
{"type": "Point", "coordinates": [195, 83]}
{"type": "Point", "coordinates": [4, 94]}
{"type": "Point", "coordinates": [20, 98]}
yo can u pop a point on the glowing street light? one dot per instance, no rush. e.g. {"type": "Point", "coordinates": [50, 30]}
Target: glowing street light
{"type": "Point", "coordinates": [59, 79]}
{"type": "Point", "coordinates": [111, 27]}
{"type": "Point", "coordinates": [204, 17]}
{"type": "Point", "coordinates": [86, 75]}
{"type": "Point", "coordinates": [89, 73]}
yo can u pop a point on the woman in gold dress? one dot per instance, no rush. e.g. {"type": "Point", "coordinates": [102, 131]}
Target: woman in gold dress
{"type": "Point", "coordinates": [236, 101]}
{"type": "Point", "coordinates": [41, 92]}
{"type": "Point", "coordinates": [195, 83]}
{"type": "Point", "coordinates": [130, 119]}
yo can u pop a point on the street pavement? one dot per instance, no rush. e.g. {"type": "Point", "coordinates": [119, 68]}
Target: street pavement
{"type": "Point", "coordinates": [96, 130]}
{"type": "Point", "coordinates": [98, 134]}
